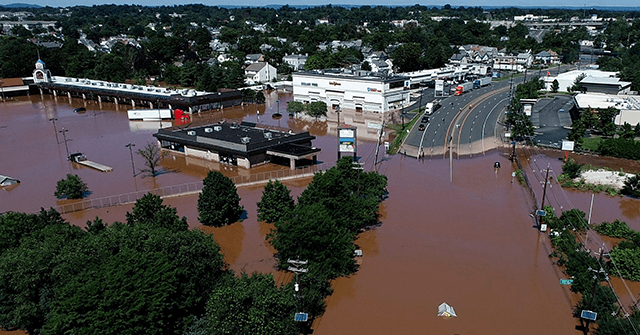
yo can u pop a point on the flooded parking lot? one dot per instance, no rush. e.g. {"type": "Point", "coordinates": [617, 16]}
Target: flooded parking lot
{"type": "Point", "coordinates": [469, 242]}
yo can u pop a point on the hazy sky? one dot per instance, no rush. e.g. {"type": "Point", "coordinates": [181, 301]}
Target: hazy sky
{"type": "Point", "coordinates": [454, 3]}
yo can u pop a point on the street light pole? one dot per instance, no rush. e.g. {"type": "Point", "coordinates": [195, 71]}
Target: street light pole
{"type": "Point", "coordinates": [131, 152]}
{"type": "Point", "coordinates": [54, 128]}
{"type": "Point", "coordinates": [64, 131]}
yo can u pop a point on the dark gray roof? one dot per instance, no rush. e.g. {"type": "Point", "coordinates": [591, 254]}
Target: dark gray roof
{"type": "Point", "coordinates": [243, 139]}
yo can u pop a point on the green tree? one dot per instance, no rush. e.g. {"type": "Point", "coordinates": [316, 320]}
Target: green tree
{"type": "Point", "coordinates": [626, 132]}
{"type": "Point", "coordinates": [252, 305]}
{"type": "Point", "coordinates": [218, 203]}
{"type": "Point", "coordinates": [152, 154]}
{"type": "Point", "coordinates": [30, 275]}
{"type": "Point", "coordinates": [317, 109]}
{"type": "Point", "coordinates": [294, 107]}
{"type": "Point", "coordinates": [577, 86]}
{"type": "Point", "coordinates": [150, 211]}
{"type": "Point", "coordinates": [71, 187]}
{"type": "Point", "coordinates": [366, 66]}
{"type": "Point", "coordinates": [605, 120]}
{"type": "Point", "coordinates": [276, 202]}
{"type": "Point", "coordinates": [632, 186]}
{"type": "Point", "coordinates": [636, 130]}
{"type": "Point", "coordinates": [571, 169]}
{"type": "Point", "coordinates": [158, 278]}
{"type": "Point", "coordinates": [260, 98]}
{"type": "Point", "coordinates": [555, 86]}
{"type": "Point", "coordinates": [408, 57]}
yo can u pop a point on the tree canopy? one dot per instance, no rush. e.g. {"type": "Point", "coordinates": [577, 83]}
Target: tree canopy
{"type": "Point", "coordinates": [71, 187]}
{"type": "Point", "coordinates": [218, 203]}
{"type": "Point", "coordinates": [150, 275]}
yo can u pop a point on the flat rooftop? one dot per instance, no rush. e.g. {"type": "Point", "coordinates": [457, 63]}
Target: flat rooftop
{"type": "Point", "coordinates": [594, 100]}
{"type": "Point", "coordinates": [244, 138]}
{"type": "Point", "coordinates": [348, 74]}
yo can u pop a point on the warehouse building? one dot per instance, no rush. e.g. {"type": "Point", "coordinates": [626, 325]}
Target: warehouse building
{"type": "Point", "coordinates": [244, 144]}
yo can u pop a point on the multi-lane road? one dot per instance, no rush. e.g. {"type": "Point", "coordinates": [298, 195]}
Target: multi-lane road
{"type": "Point", "coordinates": [465, 124]}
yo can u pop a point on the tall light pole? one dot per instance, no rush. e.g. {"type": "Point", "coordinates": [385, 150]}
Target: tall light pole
{"type": "Point", "coordinates": [131, 152]}
{"type": "Point", "coordinates": [53, 119]}
{"type": "Point", "coordinates": [64, 131]}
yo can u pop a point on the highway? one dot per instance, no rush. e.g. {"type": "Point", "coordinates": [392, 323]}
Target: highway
{"type": "Point", "coordinates": [465, 125]}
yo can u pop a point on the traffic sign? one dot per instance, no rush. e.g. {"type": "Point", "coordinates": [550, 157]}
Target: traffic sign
{"type": "Point", "coordinates": [588, 315]}
{"type": "Point", "coordinates": [566, 281]}
{"type": "Point", "coordinates": [540, 212]}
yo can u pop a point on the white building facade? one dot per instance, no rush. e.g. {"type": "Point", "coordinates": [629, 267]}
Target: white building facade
{"type": "Point", "coordinates": [260, 73]}
{"type": "Point", "coordinates": [360, 95]}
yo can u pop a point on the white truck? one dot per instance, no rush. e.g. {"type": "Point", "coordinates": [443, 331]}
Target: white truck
{"type": "Point", "coordinates": [150, 114]}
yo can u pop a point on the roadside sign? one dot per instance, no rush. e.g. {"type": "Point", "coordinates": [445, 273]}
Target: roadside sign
{"type": "Point", "coordinates": [543, 227]}
{"type": "Point", "coordinates": [566, 281]}
{"type": "Point", "coordinates": [301, 317]}
{"type": "Point", "coordinates": [540, 212]}
{"type": "Point", "coordinates": [588, 315]}
{"type": "Point", "coordinates": [567, 145]}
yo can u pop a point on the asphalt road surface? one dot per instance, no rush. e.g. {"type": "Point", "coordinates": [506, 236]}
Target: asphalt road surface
{"type": "Point", "coordinates": [466, 123]}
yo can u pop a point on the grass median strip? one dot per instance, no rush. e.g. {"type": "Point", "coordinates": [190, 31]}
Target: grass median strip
{"type": "Point", "coordinates": [401, 133]}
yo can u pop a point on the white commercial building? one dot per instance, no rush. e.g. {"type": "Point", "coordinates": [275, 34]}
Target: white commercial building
{"type": "Point", "coordinates": [628, 105]}
{"type": "Point", "coordinates": [566, 79]}
{"type": "Point", "coordinates": [358, 96]}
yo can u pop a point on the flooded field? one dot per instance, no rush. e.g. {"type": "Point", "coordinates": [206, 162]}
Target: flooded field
{"type": "Point", "coordinates": [470, 242]}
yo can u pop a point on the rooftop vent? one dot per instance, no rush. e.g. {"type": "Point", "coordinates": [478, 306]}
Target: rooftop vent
{"type": "Point", "coordinates": [191, 133]}
{"type": "Point", "coordinates": [217, 128]}
{"type": "Point", "coordinates": [268, 135]}
{"type": "Point", "coordinates": [208, 130]}
{"type": "Point", "coordinates": [234, 126]}
{"type": "Point", "coordinates": [245, 139]}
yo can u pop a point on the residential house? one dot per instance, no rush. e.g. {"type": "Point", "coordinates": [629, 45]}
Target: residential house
{"type": "Point", "coordinates": [253, 58]}
{"type": "Point", "coordinates": [547, 57]}
{"type": "Point", "coordinates": [295, 61]}
{"type": "Point", "coordinates": [525, 59]}
{"type": "Point", "coordinates": [261, 72]}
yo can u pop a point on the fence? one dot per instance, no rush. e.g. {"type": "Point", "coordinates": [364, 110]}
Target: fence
{"type": "Point", "coordinates": [189, 188]}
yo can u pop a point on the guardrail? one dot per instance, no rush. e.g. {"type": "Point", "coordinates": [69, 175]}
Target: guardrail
{"type": "Point", "coordinates": [188, 188]}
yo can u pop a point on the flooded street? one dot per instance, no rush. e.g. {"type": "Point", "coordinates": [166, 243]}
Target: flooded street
{"type": "Point", "coordinates": [470, 242]}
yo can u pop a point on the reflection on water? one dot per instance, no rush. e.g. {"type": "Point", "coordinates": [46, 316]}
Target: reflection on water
{"type": "Point", "coordinates": [469, 242]}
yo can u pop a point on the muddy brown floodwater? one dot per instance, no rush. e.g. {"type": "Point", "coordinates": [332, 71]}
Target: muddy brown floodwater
{"type": "Point", "coordinates": [469, 242]}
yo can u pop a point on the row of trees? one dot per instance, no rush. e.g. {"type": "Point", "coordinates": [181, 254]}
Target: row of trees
{"type": "Point", "coordinates": [315, 109]}
{"type": "Point", "coordinates": [322, 227]}
{"type": "Point", "coordinates": [580, 266]}
{"type": "Point", "coordinates": [426, 44]}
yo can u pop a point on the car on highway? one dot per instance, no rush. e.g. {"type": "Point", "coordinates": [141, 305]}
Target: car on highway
{"type": "Point", "coordinates": [425, 119]}
{"type": "Point", "coordinates": [421, 127]}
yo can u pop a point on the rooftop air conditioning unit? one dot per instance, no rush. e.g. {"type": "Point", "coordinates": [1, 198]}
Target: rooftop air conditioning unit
{"type": "Point", "coordinates": [217, 128]}
{"type": "Point", "coordinates": [268, 135]}
{"type": "Point", "coordinates": [191, 133]}
{"type": "Point", "coordinates": [245, 140]}
{"type": "Point", "coordinates": [208, 130]}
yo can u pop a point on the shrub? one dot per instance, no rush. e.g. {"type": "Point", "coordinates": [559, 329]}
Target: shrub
{"type": "Point", "coordinates": [72, 187]}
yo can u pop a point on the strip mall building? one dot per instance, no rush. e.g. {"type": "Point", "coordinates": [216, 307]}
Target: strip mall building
{"type": "Point", "coordinates": [358, 96]}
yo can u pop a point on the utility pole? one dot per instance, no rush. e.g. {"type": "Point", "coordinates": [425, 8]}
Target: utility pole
{"type": "Point", "coordinates": [595, 285]}
{"type": "Point", "coordinates": [544, 193]}
{"type": "Point", "coordinates": [358, 166]}
{"type": "Point", "coordinates": [54, 128]}
{"type": "Point", "coordinates": [64, 131]}
{"type": "Point", "coordinates": [298, 269]}
{"type": "Point", "coordinates": [131, 152]}
{"type": "Point", "coordinates": [378, 146]}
